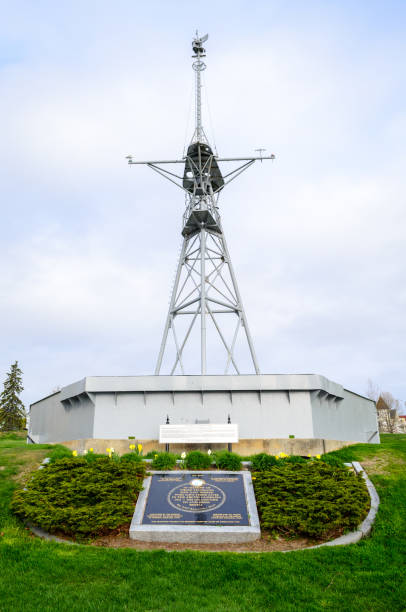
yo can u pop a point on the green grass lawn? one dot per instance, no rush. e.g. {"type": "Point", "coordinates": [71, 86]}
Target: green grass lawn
{"type": "Point", "coordinates": [38, 575]}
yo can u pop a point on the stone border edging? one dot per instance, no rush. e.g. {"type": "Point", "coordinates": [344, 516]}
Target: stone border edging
{"type": "Point", "coordinates": [362, 531]}
{"type": "Point", "coordinates": [44, 535]}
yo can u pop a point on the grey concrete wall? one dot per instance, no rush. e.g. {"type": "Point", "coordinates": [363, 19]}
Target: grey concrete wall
{"type": "Point", "coordinates": [119, 415]}
{"type": "Point", "coordinates": [353, 418]}
{"type": "Point", "coordinates": [52, 421]}
{"type": "Point", "coordinates": [269, 414]}
{"type": "Point", "coordinates": [118, 407]}
{"type": "Point", "coordinates": [44, 421]}
{"type": "Point", "coordinates": [244, 382]}
{"type": "Point", "coordinates": [272, 414]}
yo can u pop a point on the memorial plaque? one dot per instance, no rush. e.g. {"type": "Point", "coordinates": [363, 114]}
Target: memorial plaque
{"type": "Point", "coordinates": [196, 506]}
{"type": "Point", "coordinates": [196, 499]}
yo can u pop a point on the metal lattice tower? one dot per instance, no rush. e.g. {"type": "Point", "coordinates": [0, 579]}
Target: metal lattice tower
{"type": "Point", "coordinates": [205, 289]}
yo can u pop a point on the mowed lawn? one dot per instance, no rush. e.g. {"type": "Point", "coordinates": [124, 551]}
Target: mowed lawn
{"type": "Point", "coordinates": [38, 575]}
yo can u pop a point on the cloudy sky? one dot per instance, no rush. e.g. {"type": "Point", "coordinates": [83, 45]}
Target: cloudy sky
{"type": "Point", "coordinates": [89, 245]}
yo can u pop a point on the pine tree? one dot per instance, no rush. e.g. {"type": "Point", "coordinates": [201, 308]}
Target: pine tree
{"type": "Point", "coordinates": [12, 412]}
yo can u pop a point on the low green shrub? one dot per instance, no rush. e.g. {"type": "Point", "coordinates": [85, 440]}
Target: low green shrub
{"type": "Point", "coordinates": [332, 460]}
{"type": "Point", "coordinates": [226, 460]}
{"type": "Point", "coordinates": [196, 460]}
{"type": "Point", "coordinates": [294, 459]}
{"type": "Point", "coordinates": [310, 499]}
{"type": "Point", "coordinates": [163, 461]}
{"type": "Point", "coordinates": [81, 498]}
{"type": "Point", "coordinates": [132, 457]}
{"type": "Point", "coordinates": [262, 461]}
{"type": "Point", "coordinates": [91, 457]}
{"type": "Point", "coordinates": [60, 452]}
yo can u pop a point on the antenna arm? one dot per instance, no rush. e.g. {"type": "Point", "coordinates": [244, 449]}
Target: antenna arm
{"type": "Point", "coordinates": [227, 159]}
{"type": "Point", "coordinates": [165, 161]}
{"type": "Point", "coordinates": [182, 161]}
{"type": "Point", "coordinates": [242, 168]}
{"type": "Point", "coordinates": [154, 167]}
{"type": "Point", "coordinates": [236, 173]}
{"type": "Point", "coordinates": [164, 174]}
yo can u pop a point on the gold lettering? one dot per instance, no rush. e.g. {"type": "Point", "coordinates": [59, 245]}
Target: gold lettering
{"type": "Point", "coordinates": [163, 516]}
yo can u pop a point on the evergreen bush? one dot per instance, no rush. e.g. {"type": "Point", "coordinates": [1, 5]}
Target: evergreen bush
{"type": "Point", "coordinates": [81, 498]}
{"type": "Point", "coordinates": [226, 460]}
{"type": "Point", "coordinates": [151, 454]}
{"type": "Point", "coordinates": [332, 460]}
{"type": "Point", "coordinates": [196, 460]}
{"type": "Point", "coordinates": [90, 457]}
{"type": "Point", "coordinates": [163, 461]}
{"type": "Point", "coordinates": [59, 453]}
{"type": "Point", "coordinates": [294, 459]}
{"type": "Point", "coordinates": [262, 461]}
{"type": "Point", "coordinates": [310, 499]}
{"type": "Point", "coordinates": [132, 457]}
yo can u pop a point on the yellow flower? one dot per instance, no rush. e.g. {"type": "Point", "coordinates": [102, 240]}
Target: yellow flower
{"type": "Point", "coordinates": [108, 450]}
{"type": "Point", "coordinates": [75, 453]}
{"type": "Point", "coordinates": [132, 446]}
{"type": "Point", "coordinates": [276, 456]}
{"type": "Point", "coordinates": [90, 450]}
{"type": "Point", "coordinates": [309, 455]}
{"type": "Point", "coordinates": [253, 477]}
{"type": "Point", "coordinates": [155, 456]}
{"type": "Point", "coordinates": [139, 448]}
{"type": "Point", "coordinates": [317, 456]}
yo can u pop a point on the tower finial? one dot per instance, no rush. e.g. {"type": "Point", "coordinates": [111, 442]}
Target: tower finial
{"type": "Point", "coordinates": [198, 66]}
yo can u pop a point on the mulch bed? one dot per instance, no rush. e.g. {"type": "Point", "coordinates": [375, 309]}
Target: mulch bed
{"type": "Point", "coordinates": [265, 544]}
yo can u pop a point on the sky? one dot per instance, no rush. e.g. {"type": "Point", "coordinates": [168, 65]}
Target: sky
{"type": "Point", "coordinates": [89, 245]}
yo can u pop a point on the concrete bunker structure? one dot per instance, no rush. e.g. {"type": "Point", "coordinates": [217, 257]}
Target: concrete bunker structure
{"type": "Point", "coordinates": [101, 411]}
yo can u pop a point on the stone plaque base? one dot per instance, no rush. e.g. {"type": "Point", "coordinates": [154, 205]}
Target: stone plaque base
{"type": "Point", "coordinates": [196, 507]}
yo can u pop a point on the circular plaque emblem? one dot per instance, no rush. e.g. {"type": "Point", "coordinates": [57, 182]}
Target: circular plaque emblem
{"type": "Point", "coordinates": [196, 496]}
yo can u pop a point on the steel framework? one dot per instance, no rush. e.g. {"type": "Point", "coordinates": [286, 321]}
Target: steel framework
{"type": "Point", "coordinates": [205, 287]}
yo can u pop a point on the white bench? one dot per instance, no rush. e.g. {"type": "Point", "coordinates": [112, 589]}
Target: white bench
{"type": "Point", "coordinates": [199, 433]}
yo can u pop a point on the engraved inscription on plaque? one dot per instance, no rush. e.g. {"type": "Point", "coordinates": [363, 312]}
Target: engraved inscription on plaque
{"type": "Point", "coordinates": [196, 499]}
{"type": "Point", "coordinates": [196, 496]}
